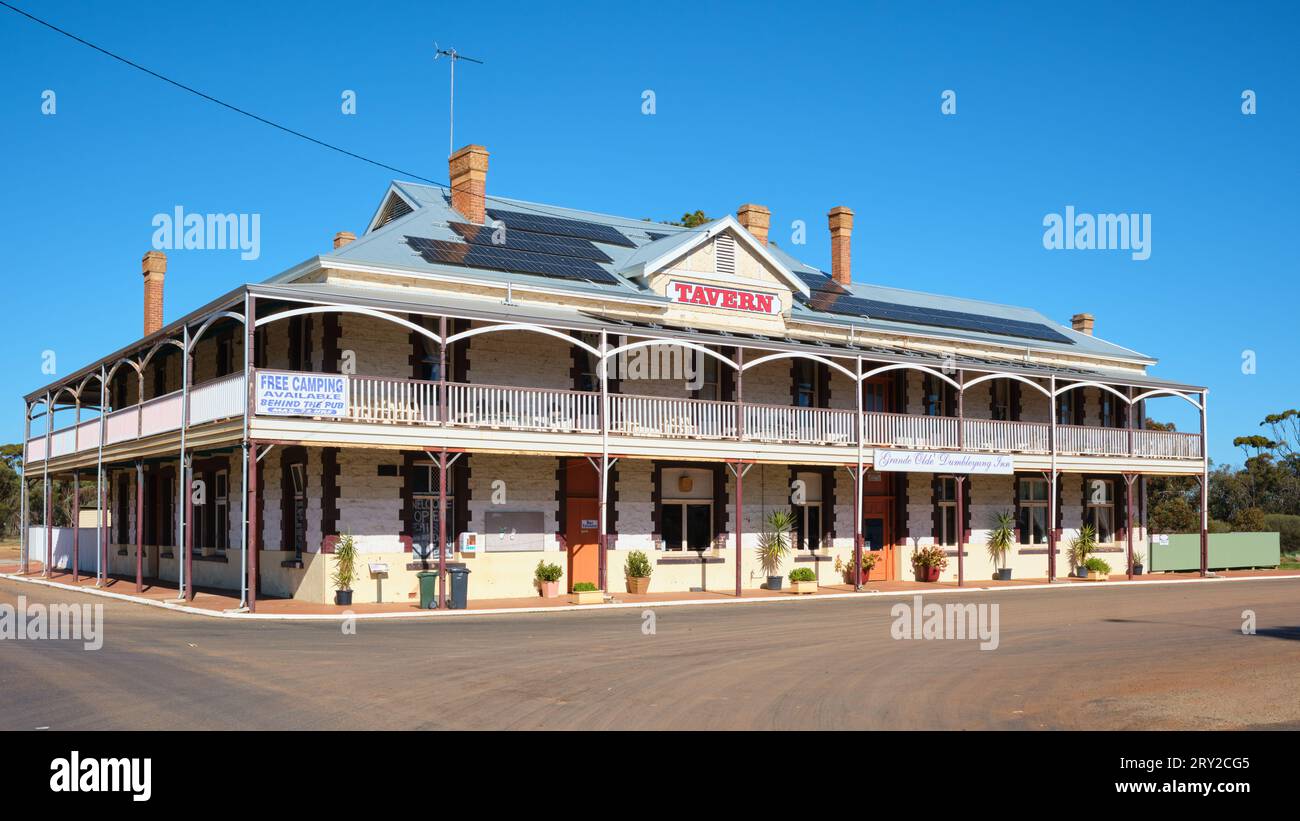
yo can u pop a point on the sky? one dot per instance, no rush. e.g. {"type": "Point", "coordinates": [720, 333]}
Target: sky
{"type": "Point", "coordinates": [1129, 108]}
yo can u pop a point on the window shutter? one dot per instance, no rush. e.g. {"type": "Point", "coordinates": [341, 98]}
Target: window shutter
{"type": "Point", "coordinates": [724, 254]}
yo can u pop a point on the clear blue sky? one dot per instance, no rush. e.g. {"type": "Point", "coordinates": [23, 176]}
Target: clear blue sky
{"type": "Point", "coordinates": [1127, 107]}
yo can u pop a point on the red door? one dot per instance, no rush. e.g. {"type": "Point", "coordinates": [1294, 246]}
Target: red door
{"type": "Point", "coordinates": [582, 528]}
{"type": "Point", "coordinates": [878, 536]}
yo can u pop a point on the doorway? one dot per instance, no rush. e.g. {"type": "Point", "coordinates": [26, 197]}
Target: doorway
{"type": "Point", "coordinates": [878, 536]}
{"type": "Point", "coordinates": [582, 521]}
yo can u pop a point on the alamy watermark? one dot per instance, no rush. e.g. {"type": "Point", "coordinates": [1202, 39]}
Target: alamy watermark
{"type": "Point", "coordinates": [208, 232]}
{"type": "Point", "coordinates": [128, 775]}
{"type": "Point", "coordinates": [55, 622]}
{"type": "Point", "coordinates": [953, 621]}
{"type": "Point", "coordinates": [1103, 232]}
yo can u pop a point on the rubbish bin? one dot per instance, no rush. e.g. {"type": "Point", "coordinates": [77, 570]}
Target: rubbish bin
{"type": "Point", "coordinates": [459, 587]}
{"type": "Point", "coordinates": [428, 589]}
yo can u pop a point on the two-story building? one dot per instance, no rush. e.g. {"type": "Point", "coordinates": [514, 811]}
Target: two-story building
{"type": "Point", "coordinates": [514, 382]}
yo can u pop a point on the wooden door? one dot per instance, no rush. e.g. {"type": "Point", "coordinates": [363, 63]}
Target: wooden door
{"type": "Point", "coordinates": [581, 534]}
{"type": "Point", "coordinates": [878, 536]}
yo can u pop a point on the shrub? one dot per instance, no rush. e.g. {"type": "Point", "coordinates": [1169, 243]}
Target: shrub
{"type": "Point", "coordinates": [1002, 536]}
{"type": "Point", "coordinates": [869, 560]}
{"type": "Point", "coordinates": [585, 587]}
{"type": "Point", "coordinates": [1083, 545]}
{"type": "Point", "coordinates": [1289, 528]}
{"type": "Point", "coordinates": [930, 556]}
{"type": "Point", "coordinates": [774, 541]}
{"type": "Point", "coordinates": [547, 572]}
{"type": "Point", "coordinates": [1096, 564]}
{"type": "Point", "coordinates": [637, 565]}
{"type": "Point", "coordinates": [1249, 520]}
{"type": "Point", "coordinates": [803, 574]}
{"type": "Point", "coordinates": [1219, 526]}
{"type": "Point", "coordinates": [345, 562]}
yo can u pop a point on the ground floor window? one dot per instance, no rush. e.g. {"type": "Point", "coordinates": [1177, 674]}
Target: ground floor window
{"type": "Point", "coordinates": [1032, 500]}
{"type": "Point", "coordinates": [945, 491]}
{"type": "Point", "coordinates": [221, 510]}
{"type": "Point", "coordinates": [297, 504]}
{"type": "Point", "coordinates": [686, 525]}
{"type": "Point", "coordinates": [1100, 509]}
{"type": "Point", "coordinates": [806, 505]}
{"type": "Point", "coordinates": [424, 524]}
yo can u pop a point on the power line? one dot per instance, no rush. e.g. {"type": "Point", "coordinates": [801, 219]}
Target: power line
{"type": "Point", "coordinates": [284, 128]}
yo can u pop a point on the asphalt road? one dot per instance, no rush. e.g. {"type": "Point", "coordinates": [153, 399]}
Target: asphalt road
{"type": "Point", "coordinates": [1169, 656]}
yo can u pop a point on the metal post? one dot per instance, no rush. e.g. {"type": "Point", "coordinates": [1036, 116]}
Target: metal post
{"type": "Point", "coordinates": [49, 506]}
{"type": "Point", "coordinates": [24, 535]}
{"type": "Point", "coordinates": [1129, 479]}
{"type": "Point", "coordinates": [442, 527]}
{"type": "Point", "coordinates": [252, 545]}
{"type": "Point", "coordinates": [76, 524]}
{"type": "Point", "coordinates": [183, 507]}
{"type": "Point", "coordinates": [1205, 485]}
{"type": "Point", "coordinates": [959, 483]}
{"type": "Point", "coordinates": [602, 562]}
{"type": "Point", "coordinates": [1051, 487]}
{"type": "Point", "coordinates": [187, 467]}
{"type": "Point", "coordinates": [961, 413]}
{"type": "Point", "coordinates": [139, 525]}
{"type": "Point", "coordinates": [249, 334]}
{"type": "Point", "coordinates": [101, 533]}
{"type": "Point", "coordinates": [857, 487]}
{"type": "Point", "coordinates": [740, 518]}
{"type": "Point", "coordinates": [740, 393]}
{"type": "Point", "coordinates": [442, 369]}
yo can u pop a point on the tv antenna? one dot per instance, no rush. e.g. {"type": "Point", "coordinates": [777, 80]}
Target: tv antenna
{"type": "Point", "coordinates": [453, 55]}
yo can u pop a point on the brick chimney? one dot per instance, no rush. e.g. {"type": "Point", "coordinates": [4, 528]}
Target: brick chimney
{"type": "Point", "coordinates": [756, 219]}
{"type": "Point", "coordinates": [343, 238]}
{"type": "Point", "coordinates": [1082, 323]}
{"type": "Point", "coordinates": [468, 168]}
{"type": "Point", "coordinates": [154, 268]}
{"type": "Point", "coordinates": [841, 222]}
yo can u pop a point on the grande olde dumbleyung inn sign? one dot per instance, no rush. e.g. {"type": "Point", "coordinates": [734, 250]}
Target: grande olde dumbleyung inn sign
{"type": "Point", "coordinates": [926, 461]}
{"type": "Point", "coordinates": [301, 394]}
{"type": "Point", "coordinates": [716, 296]}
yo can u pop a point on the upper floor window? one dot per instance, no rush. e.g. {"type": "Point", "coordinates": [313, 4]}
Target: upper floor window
{"type": "Point", "coordinates": [875, 395]}
{"type": "Point", "coordinates": [588, 374]}
{"type": "Point", "coordinates": [807, 393]}
{"type": "Point", "coordinates": [1069, 408]}
{"type": "Point", "coordinates": [225, 355]}
{"type": "Point", "coordinates": [1001, 400]}
{"type": "Point", "coordinates": [710, 385]}
{"type": "Point", "coordinates": [939, 398]}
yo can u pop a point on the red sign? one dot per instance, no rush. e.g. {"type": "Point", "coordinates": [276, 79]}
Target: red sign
{"type": "Point", "coordinates": [733, 299]}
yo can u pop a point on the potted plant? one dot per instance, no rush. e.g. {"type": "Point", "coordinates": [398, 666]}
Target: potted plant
{"type": "Point", "coordinates": [588, 593]}
{"type": "Point", "coordinates": [869, 560]}
{"type": "Point", "coordinates": [345, 569]}
{"type": "Point", "coordinates": [637, 569]}
{"type": "Point", "coordinates": [773, 544]}
{"type": "Point", "coordinates": [547, 577]}
{"type": "Point", "coordinates": [1138, 562]}
{"type": "Point", "coordinates": [999, 542]}
{"type": "Point", "coordinates": [1081, 547]}
{"type": "Point", "coordinates": [803, 580]}
{"type": "Point", "coordinates": [1096, 568]}
{"type": "Point", "coordinates": [928, 562]}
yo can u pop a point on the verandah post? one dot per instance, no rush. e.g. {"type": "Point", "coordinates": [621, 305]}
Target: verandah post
{"type": "Point", "coordinates": [76, 524]}
{"type": "Point", "coordinates": [959, 484]}
{"type": "Point", "coordinates": [139, 525]}
{"type": "Point", "coordinates": [1051, 485]}
{"type": "Point", "coordinates": [740, 518]}
{"type": "Point", "coordinates": [187, 471]}
{"type": "Point", "coordinates": [857, 486]}
{"type": "Point", "coordinates": [24, 535]}
{"type": "Point", "coordinates": [45, 468]}
{"type": "Point", "coordinates": [1205, 486]}
{"type": "Point", "coordinates": [1129, 479]}
{"type": "Point", "coordinates": [442, 528]}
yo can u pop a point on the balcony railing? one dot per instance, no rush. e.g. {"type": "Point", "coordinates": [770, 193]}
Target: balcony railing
{"type": "Point", "coordinates": [414, 402]}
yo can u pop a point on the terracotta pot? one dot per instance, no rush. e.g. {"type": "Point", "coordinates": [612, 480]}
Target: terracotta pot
{"type": "Point", "coordinates": [927, 574]}
{"type": "Point", "coordinates": [549, 590]}
{"type": "Point", "coordinates": [638, 584]}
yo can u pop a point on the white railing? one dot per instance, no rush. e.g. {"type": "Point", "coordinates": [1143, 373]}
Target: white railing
{"type": "Point", "coordinates": [218, 399]}
{"type": "Point", "coordinates": [63, 442]}
{"type": "Point", "coordinates": [494, 406]}
{"type": "Point", "coordinates": [1077, 440]}
{"type": "Point", "coordinates": [1166, 444]}
{"type": "Point", "coordinates": [375, 399]}
{"type": "Point", "coordinates": [122, 425]}
{"type": "Point", "coordinates": [1006, 437]}
{"type": "Point", "coordinates": [901, 430]}
{"type": "Point", "coordinates": [680, 418]}
{"type": "Point", "coordinates": [783, 423]}
{"type": "Point", "coordinates": [88, 435]}
{"type": "Point", "coordinates": [161, 415]}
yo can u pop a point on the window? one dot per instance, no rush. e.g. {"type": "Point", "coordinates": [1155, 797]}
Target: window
{"type": "Point", "coordinates": [709, 382]}
{"type": "Point", "coordinates": [1100, 509]}
{"type": "Point", "coordinates": [122, 512]}
{"type": "Point", "coordinates": [946, 511]}
{"type": "Point", "coordinates": [686, 509]}
{"type": "Point", "coordinates": [225, 355]}
{"type": "Point", "coordinates": [298, 509]}
{"type": "Point", "coordinates": [808, 516]}
{"type": "Point", "coordinates": [300, 343]}
{"type": "Point", "coordinates": [588, 378]}
{"type": "Point", "coordinates": [1109, 410]}
{"type": "Point", "coordinates": [724, 254]}
{"type": "Point", "coordinates": [1032, 498]}
{"type": "Point", "coordinates": [424, 525]}
{"type": "Point", "coordinates": [1068, 409]}
{"type": "Point", "coordinates": [939, 398]}
{"type": "Point", "coordinates": [221, 510]}
{"type": "Point", "coordinates": [429, 363]}
{"type": "Point", "coordinates": [1001, 404]}
{"type": "Point", "coordinates": [805, 383]}
{"type": "Point", "coordinates": [875, 396]}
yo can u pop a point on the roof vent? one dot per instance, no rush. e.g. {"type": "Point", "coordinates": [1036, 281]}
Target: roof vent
{"type": "Point", "coordinates": [395, 208]}
{"type": "Point", "coordinates": [724, 254]}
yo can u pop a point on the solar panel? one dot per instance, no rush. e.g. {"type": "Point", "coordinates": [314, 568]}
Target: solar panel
{"type": "Point", "coordinates": [498, 258]}
{"type": "Point", "coordinates": [829, 296]}
{"type": "Point", "coordinates": [558, 226]}
{"type": "Point", "coordinates": [520, 240]}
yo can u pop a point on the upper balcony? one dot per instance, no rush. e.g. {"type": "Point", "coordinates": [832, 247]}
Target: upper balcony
{"type": "Point", "coordinates": [471, 407]}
